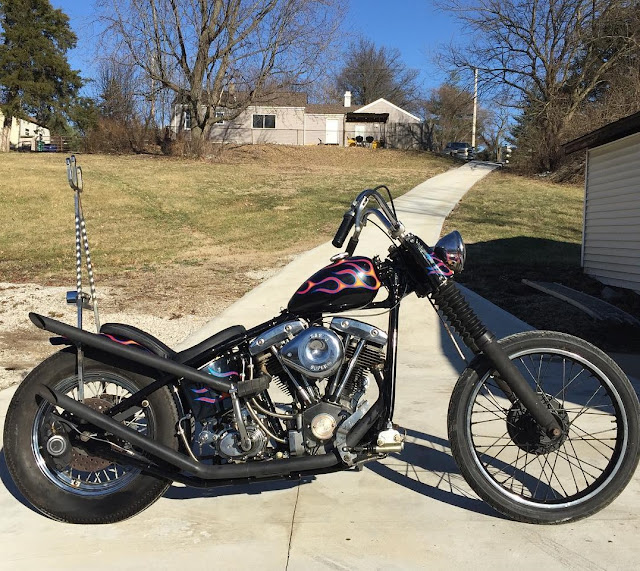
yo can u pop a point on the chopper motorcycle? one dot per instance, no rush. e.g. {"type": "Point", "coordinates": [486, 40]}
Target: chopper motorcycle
{"type": "Point", "coordinates": [542, 425]}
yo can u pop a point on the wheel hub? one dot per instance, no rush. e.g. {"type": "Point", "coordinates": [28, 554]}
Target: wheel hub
{"type": "Point", "coordinates": [529, 436]}
{"type": "Point", "coordinates": [82, 461]}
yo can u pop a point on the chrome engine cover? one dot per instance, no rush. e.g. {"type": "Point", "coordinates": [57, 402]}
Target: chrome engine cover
{"type": "Point", "coordinates": [316, 352]}
{"type": "Point", "coordinates": [228, 443]}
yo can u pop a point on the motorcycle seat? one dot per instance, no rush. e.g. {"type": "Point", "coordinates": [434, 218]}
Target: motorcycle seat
{"type": "Point", "coordinates": [199, 354]}
{"type": "Point", "coordinates": [193, 356]}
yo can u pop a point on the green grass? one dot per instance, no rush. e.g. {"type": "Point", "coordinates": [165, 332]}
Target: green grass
{"type": "Point", "coordinates": [149, 212]}
{"type": "Point", "coordinates": [517, 227]}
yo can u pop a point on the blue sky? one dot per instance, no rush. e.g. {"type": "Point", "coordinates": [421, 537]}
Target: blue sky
{"type": "Point", "coordinates": [415, 27]}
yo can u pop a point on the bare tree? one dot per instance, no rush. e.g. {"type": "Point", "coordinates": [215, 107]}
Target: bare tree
{"type": "Point", "coordinates": [116, 91]}
{"type": "Point", "coordinates": [544, 54]}
{"type": "Point", "coordinates": [201, 50]}
{"type": "Point", "coordinates": [495, 129]}
{"type": "Point", "coordinates": [371, 72]}
{"type": "Point", "coordinates": [448, 115]}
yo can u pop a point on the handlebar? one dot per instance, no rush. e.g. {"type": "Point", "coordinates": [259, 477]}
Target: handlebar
{"type": "Point", "coordinates": [357, 215]}
{"type": "Point", "coordinates": [348, 221]}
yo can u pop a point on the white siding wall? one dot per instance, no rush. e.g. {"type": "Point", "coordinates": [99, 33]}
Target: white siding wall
{"type": "Point", "coordinates": [611, 249]}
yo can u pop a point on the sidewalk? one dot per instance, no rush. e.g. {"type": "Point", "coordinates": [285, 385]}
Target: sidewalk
{"type": "Point", "coordinates": [410, 511]}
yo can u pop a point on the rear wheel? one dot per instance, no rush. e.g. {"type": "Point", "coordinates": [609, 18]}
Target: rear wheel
{"type": "Point", "coordinates": [512, 464]}
{"type": "Point", "coordinates": [65, 477]}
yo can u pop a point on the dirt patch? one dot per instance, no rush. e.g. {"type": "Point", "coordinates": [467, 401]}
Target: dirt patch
{"type": "Point", "coordinates": [170, 303]}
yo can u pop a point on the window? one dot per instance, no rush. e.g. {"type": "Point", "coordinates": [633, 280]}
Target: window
{"type": "Point", "coordinates": [26, 131]}
{"type": "Point", "coordinates": [219, 117]}
{"type": "Point", "coordinates": [264, 121]}
{"type": "Point", "coordinates": [187, 119]}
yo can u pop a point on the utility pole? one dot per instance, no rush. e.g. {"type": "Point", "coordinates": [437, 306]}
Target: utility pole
{"type": "Point", "coordinates": [475, 107]}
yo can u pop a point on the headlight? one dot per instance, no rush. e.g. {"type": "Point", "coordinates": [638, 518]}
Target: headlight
{"type": "Point", "coordinates": [451, 250]}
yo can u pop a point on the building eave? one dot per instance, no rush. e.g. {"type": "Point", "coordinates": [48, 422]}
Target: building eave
{"type": "Point", "coordinates": [606, 134]}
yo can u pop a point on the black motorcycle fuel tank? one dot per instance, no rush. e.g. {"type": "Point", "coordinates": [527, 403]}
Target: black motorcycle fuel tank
{"type": "Point", "coordinates": [349, 283]}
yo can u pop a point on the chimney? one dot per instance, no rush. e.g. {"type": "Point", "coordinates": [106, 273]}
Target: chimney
{"type": "Point", "coordinates": [347, 98]}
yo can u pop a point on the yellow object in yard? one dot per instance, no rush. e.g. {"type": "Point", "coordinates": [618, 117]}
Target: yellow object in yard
{"type": "Point", "coordinates": [375, 144]}
{"type": "Point", "coordinates": [351, 142]}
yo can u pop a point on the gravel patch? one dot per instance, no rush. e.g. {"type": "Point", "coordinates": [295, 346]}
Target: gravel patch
{"type": "Point", "coordinates": [22, 345]}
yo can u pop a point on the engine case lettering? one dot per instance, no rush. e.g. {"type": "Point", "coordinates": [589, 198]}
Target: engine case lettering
{"type": "Point", "coordinates": [316, 352]}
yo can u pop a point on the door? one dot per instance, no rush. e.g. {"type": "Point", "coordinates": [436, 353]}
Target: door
{"type": "Point", "coordinates": [331, 137]}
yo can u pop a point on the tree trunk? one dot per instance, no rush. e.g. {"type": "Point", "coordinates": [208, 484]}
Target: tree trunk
{"type": "Point", "coordinates": [197, 141]}
{"type": "Point", "coordinates": [5, 135]}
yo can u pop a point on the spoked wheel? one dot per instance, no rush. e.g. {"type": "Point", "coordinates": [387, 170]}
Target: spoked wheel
{"type": "Point", "coordinates": [81, 472]}
{"type": "Point", "coordinates": [513, 465]}
{"type": "Point", "coordinates": [70, 475]}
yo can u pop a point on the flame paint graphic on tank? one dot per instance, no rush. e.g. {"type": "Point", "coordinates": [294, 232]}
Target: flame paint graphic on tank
{"type": "Point", "coordinates": [348, 273]}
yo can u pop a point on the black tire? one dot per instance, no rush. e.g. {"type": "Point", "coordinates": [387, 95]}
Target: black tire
{"type": "Point", "coordinates": [89, 489]}
{"type": "Point", "coordinates": [512, 465]}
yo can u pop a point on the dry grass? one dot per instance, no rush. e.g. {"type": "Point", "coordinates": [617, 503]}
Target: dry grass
{"type": "Point", "coordinates": [150, 213]}
{"type": "Point", "coordinates": [518, 227]}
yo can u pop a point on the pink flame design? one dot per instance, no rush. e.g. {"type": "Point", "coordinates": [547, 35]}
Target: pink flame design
{"type": "Point", "coordinates": [353, 269]}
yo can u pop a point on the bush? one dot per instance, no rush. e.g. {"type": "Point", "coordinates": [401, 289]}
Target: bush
{"type": "Point", "coordinates": [111, 136]}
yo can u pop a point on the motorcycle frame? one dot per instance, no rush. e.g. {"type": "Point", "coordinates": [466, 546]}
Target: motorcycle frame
{"type": "Point", "coordinates": [379, 415]}
{"type": "Point", "coordinates": [425, 277]}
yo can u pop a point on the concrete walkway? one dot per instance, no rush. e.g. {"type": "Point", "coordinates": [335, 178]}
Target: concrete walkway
{"type": "Point", "coordinates": [411, 511]}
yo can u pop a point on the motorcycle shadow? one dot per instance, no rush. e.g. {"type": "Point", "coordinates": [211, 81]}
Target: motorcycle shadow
{"type": "Point", "coordinates": [426, 467]}
{"type": "Point", "coordinates": [178, 492]}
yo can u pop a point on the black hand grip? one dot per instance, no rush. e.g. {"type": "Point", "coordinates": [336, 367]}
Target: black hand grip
{"type": "Point", "coordinates": [345, 227]}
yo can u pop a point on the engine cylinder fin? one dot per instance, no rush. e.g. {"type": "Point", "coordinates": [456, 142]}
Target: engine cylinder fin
{"type": "Point", "coordinates": [274, 368]}
{"type": "Point", "coordinates": [369, 357]}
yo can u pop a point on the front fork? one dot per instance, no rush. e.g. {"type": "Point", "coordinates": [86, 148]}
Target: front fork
{"type": "Point", "coordinates": [456, 309]}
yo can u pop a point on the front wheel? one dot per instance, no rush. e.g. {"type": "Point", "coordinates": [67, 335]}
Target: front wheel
{"type": "Point", "coordinates": [82, 485]}
{"type": "Point", "coordinates": [508, 459]}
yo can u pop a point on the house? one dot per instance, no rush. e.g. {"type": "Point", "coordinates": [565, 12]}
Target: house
{"type": "Point", "coordinates": [611, 235]}
{"type": "Point", "coordinates": [26, 133]}
{"type": "Point", "coordinates": [287, 118]}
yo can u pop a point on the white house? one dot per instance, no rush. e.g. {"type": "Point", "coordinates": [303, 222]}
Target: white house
{"type": "Point", "coordinates": [25, 133]}
{"type": "Point", "coordinates": [287, 118]}
{"type": "Point", "coordinates": [611, 236]}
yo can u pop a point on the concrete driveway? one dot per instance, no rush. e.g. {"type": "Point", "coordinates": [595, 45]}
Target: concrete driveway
{"type": "Point", "coordinates": [410, 511]}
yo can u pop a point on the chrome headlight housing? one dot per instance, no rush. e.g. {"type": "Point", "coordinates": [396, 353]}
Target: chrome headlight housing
{"type": "Point", "coordinates": [451, 250]}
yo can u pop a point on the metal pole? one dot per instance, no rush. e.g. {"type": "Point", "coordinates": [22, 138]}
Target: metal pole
{"type": "Point", "coordinates": [475, 107]}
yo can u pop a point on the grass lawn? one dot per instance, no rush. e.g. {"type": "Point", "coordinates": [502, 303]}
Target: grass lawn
{"type": "Point", "coordinates": [256, 203]}
{"type": "Point", "coordinates": [518, 227]}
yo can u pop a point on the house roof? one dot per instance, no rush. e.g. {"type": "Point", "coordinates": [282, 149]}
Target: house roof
{"type": "Point", "coordinates": [28, 119]}
{"type": "Point", "coordinates": [330, 108]}
{"type": "Point", "coordinates": [605, 134]}
{"type": "Point", "coordinates": [273, 99]}
{"type": "Point", "coordinates": [282, 99]}
{"type": "Point", "coordinates": [382, 99]}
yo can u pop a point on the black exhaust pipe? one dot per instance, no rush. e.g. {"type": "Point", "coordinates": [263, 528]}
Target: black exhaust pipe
{"type": "Point", "coordinates": [205, 471]}
{"type": "Point", "coordinates": [136, 355]}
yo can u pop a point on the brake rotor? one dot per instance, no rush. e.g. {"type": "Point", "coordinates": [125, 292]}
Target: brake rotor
{"type": "Point", "coordinates": [529, 436]}
{"type": "Point", "coordinates": [82, 461]}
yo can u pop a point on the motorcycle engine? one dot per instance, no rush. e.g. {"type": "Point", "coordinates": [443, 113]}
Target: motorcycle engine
{"type": "Point", "coordinates": [342, 354]}
{"type": "Point", "coordinates": [223, 439]}
{"type": "Point", "coordinates": [316, 352]}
